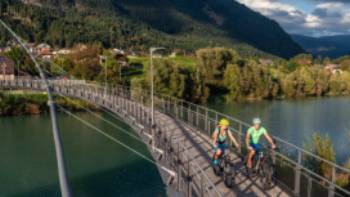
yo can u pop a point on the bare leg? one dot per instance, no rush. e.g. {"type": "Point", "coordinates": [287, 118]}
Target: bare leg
{"type": "Point", "coordinates": [217, 154]}
{"type": "Point", "coordinates": [250, 159]}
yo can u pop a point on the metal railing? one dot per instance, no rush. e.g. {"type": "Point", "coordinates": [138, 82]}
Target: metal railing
{"type": "Point", "coordinates": [192, 180]}
{"type": "Point", "coordinates": [294, 157]}
{"type": "Point", "coordinates": [302, 179]}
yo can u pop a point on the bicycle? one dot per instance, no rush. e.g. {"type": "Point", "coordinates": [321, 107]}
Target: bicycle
{"type": "Point", "coordinates": [264, 167]}
{"type": "Point", "coordinates": [225, 168]}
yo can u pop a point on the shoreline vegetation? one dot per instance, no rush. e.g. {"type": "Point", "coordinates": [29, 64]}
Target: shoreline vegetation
{"type": "Point", "coordinates": [222, 72]}
{"type": "Point", "coordinates": [16, 103]}
{"type": "Point", "coordinates": [207, 74]}
{"type": "Point", "coordinates": [322, 146]}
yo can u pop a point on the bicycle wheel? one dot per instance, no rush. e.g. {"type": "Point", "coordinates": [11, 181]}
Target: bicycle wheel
{"type": "Point", "coordinates": [229, 174]}
{"type": "Point", "coordinates": [267, 172]}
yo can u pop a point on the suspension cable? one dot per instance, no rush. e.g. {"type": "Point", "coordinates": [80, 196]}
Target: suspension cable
{"type": "Point", "coordinates": [115, 140]}
{"type": "Point", "coordinates": [106, 120]}
{"type": "Point", "coordinates": [62, 174]}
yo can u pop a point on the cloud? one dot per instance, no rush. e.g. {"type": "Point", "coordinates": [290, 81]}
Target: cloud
{"type": "Point", "coordinates": [327, 18]}
{"type": "Point", "coordinates": [342, 1]}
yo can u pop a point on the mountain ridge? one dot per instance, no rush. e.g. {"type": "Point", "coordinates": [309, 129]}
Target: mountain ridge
{"type": "Point", "coordinates": [188, 24]}
{"type": "Point", "coordinates": [327, 46]}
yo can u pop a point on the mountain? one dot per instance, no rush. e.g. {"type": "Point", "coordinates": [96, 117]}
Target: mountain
{"type": "Point", "coordinates": [186, 24]}
{"type": "Point", "coordinates": [330, 46]}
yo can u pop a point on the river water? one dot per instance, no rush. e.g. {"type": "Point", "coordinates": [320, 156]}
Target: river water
{"type": "Point", "coordinates": [96, 165]}
{"type": "Point", "coordinates": [296, 120]}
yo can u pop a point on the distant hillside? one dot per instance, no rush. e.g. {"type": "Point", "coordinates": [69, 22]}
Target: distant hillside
{"type": "Point", "coordinates": [330, 46]}
{"type": "Point", "coordinates": [186, 24]}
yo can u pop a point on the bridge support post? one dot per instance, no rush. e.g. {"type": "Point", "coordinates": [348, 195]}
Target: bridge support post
{"type": "Point", "coordinates": [309, 187]}
{"type": "Point", "coordinates": [240, 137]}
{"type": "Point", "coordinates": [297, 175]}
{"type": "Point", "coordinates": [331, 189]}
{"type": "Point", "coordinates": [189, 179]}
{"type": "Point", "coordinates": [197, 117]}
{"type": "Point", "coordinates": [178, 165]}
{"type": "Point", "coordinates": [206, 121]}
{"type": "Point", "coordinates": [180, 112]}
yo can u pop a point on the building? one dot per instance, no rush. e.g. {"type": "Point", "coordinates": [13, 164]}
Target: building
{"type": "Point", "coordinates": [121, 57]}
{"type": "Point", "coordinates": [333, 68]}
{"type": "Point", "coordinates": [7, 68]}
{"type": "Point", "coordinates": [62, 52]}
{"type": "Point", "coordinates": [44, 51]}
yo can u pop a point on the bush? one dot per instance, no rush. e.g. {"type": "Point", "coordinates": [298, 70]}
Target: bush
{"type": "Point", "coordinates": [321, 145]}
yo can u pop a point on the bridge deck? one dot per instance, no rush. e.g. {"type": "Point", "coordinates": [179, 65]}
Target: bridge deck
{"type": "Point", "coordinates": [195, 146]}
{"type": "Point", "coordinates": [199, 147]}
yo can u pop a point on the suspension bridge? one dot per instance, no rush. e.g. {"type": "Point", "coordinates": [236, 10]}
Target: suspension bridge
{"type": "Point", "coordinates": [179, 141]}
{"type": "Point", "coordinates": [177, 134]}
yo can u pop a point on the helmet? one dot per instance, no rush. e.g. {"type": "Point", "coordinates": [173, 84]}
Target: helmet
{"type": "Point", "coordinates": [224, 122]}
{"type": "Point", "coordinates": [256, 121]}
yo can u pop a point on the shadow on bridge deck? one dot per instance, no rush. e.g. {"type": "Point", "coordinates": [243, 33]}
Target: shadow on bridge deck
{"type": "Point", "coordinates": [199, 147]}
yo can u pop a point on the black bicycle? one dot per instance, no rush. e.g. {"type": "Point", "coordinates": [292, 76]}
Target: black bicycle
{"type": "Point", "coordinates": [225, 168]}
{"type": "Point", "coordinates": [264, 167]}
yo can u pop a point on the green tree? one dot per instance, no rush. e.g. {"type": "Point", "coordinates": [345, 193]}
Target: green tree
{"type": "Point", "coordinates": [212, 63]}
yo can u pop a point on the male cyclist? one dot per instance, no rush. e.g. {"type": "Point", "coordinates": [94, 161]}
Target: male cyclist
{"type": "Point", "coordinates": [220, 139]}
{"type": "Point", "coordinates": [252, 141]}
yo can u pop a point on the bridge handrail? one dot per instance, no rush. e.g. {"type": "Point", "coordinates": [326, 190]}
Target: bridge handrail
{"type": "Point", "coordinates": [182, 103]}
{"type": "Point", "coordinates": [298, 149]}
{"type": "Point", "coordinates": [248, 125]}
{"type": "Point", "coordinates": [177, 100]}
{"type": "Point", "coordinates": [83, 82]}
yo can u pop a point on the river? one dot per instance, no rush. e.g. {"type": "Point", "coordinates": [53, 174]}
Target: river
{"type": "Point", "coordinates": [96, 165]}
{"type": "Point", "coordinates": [296, 120]}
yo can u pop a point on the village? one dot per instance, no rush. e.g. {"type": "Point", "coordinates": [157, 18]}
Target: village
{"type": "Point", "coordinates": [9, 70]}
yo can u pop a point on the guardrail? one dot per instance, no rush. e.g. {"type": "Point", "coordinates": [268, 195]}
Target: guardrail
{"type": "Point", "coordinates": [302, 180]}
{"type": "Point", "coordinates": [306, 181]}
{"type": "Point", "coordinates": [293, 161]}
{"type": "Point", "coordinates": [191, 177]}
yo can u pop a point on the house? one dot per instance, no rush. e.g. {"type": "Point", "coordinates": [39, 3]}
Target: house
{"type": "Point", "coordinates": [62, 52]}
{"type": "Point", "coordinates": [119, 51]}
{"type": "Point", "coordinates": [44, 51]}
{"type": "Point", "coordinates": [7, 68]}
{"type": "Point", "coordinates": [266, 62]}
{"type": "Point", "coordinates": [333, 68]}
{"type": "Point", "coordinates": [31, 47]}
{"type": "Point", "coordinates": [121, 57]}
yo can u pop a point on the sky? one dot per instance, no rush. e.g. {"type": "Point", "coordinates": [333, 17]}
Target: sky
{"type": "Point", "coordinates": [306, 17]}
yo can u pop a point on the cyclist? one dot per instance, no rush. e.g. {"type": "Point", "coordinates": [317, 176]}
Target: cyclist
{"type": "Point", "coordinates": [252, 141]}
{"type": "Point", "coordinates": [220, 139]}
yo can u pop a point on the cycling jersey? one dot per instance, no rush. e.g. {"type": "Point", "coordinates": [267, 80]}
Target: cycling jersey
{"type": "Point", "coordinates": [256, 134]}
{"type": "Point", "coordinates": [221, 138]}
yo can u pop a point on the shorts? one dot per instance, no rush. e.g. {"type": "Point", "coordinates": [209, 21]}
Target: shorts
{"type": "Point", "coordinates": [256, 147]}
{"type": "Point", "coordinates": [222, 147]}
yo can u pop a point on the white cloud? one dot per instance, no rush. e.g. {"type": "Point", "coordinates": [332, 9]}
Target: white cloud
{"type": "Point", "coordinates": [327, 18]}
{"type": "Point", "coordinates": [312, 21]}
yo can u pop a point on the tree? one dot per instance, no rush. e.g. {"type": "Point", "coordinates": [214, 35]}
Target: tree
{"type": "Point", "coordinates": [86, 62]}
{"type": "Point", "coordinates": [212, 63]}
{"type": "Point", "coordinates": [114, 69]}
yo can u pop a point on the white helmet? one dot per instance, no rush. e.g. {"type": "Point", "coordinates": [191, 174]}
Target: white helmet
{"type": "Point", "coordinates": [256, 121]}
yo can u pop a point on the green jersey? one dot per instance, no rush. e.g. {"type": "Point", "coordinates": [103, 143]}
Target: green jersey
{"type": "Point", "coordinates": [256, 134]}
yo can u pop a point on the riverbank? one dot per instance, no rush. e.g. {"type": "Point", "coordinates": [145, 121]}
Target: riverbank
{"type": "Point", "coordinates": [15, 103]}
